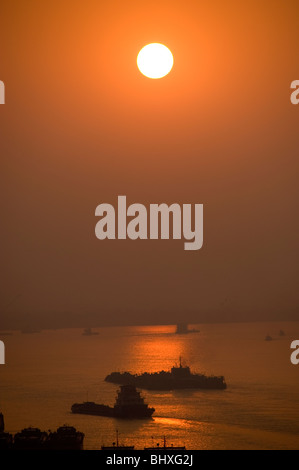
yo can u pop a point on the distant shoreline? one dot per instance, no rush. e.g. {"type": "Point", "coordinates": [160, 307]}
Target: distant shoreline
{"type": "Point", "coordinates": [7, 331]}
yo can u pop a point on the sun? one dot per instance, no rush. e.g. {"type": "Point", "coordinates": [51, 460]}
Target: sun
{"type": "Point", "coordinates": [155, 60]}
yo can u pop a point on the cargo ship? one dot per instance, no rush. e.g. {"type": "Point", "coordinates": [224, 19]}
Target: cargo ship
{"type": "Point", "coordinates": [30, 439]}
{"type": "Point", "coordinates": [129, 404]}
{"type": "Point", "coordinates": [65, 438]}
{"type": "Point", "coordinates": [179, 378]}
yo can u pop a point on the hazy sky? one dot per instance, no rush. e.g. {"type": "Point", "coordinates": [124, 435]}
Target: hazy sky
{"type": "Point", "coordinates": [81, 126]}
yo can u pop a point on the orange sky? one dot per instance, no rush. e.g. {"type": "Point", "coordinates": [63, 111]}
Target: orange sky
{"type": "Point", "coordinates": [81, 126]}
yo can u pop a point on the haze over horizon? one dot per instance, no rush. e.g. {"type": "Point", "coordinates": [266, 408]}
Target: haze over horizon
{"type": "Point", "coordinates": [81, 126]}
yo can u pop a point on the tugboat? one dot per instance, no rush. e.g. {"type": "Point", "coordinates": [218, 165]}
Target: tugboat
{"type": "Point", "coordinates": [178, 378]}
{"type": "Point", "coordinates": [65, 438]}
{"type": "Point", "coordinates": [164, 447]}
{"type": "Point", "coordinates": [129, 404]}
{"type": "Point", "coordinates": [6, 439]}
{"type": "Point", "coordinates": [30, 438]}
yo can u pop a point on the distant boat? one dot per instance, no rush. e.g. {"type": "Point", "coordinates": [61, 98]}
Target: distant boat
{"type": "Point", "coordinates": [129, 404]}
{"type": "Point", "coordinates": [164, 447]}
{"type": "Point", "coordinates": [182, 329]}
{"type": "Point", "coordinates": [281, 333]}
{"type": "Point", "coordinates": [116, 446]}
{"type": "Point", "coordinates": [268, 338]}
{"type": "Point", "coordinates": [89, 332]}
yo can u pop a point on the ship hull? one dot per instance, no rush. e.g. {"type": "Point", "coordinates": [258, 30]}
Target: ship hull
{"type": "Point", "coordinates": [65, 444]}
{"type": "Point", "coordinates": [130, 412]}
{"type": "Point", "coordinates": [92, 409]}
{"type": "Point", "coordinates": [65, 438]}
{"type": "Point", "coordinates": [103, 410]}
{"type": "Point", "coordinates": [6, 441]}
{"type": "Point", "coordinates": [167, 383]}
